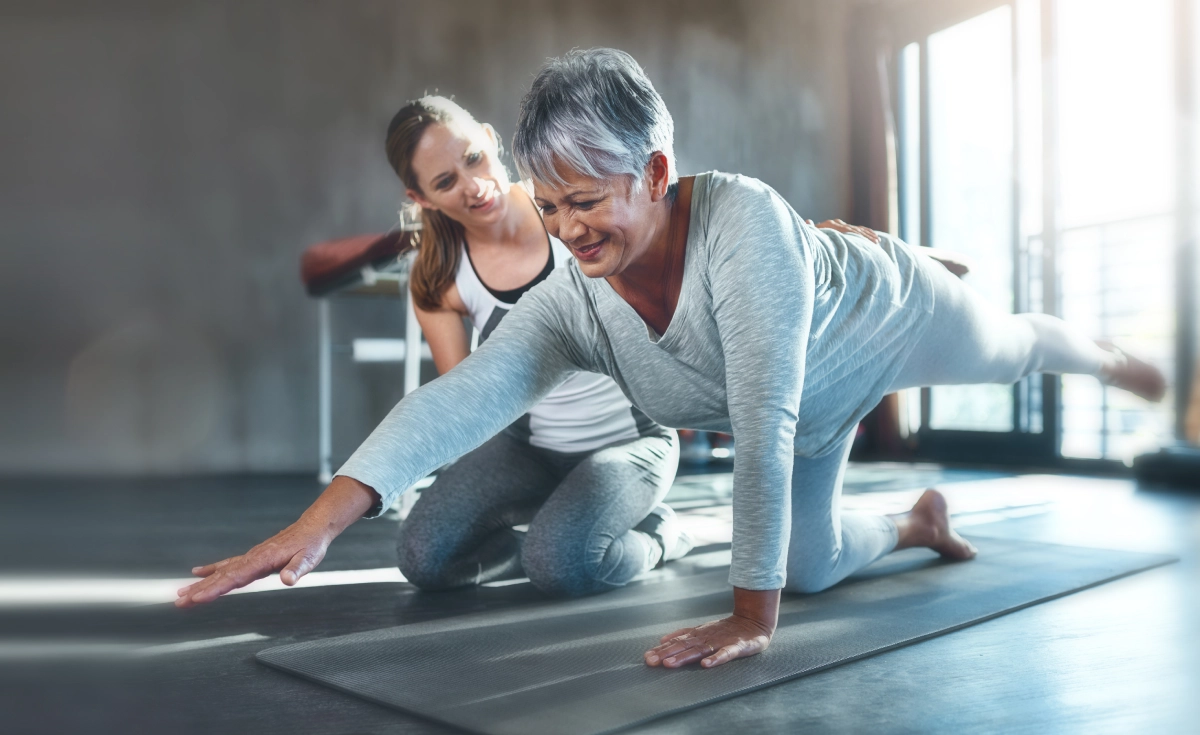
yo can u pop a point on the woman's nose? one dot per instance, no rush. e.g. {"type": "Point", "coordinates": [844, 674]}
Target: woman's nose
{"type": "Point", "coordinates": [475, 187]}
{"type": "Point", "coordinates": [570, 229]}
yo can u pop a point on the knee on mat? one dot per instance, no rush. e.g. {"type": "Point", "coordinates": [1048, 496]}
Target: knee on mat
{"type": "Point", "coordinates": [418, 566]}
{"type": "Point", "coordinates": [551, 568]}
{"type": "Point", "coordinates": [809, 581]}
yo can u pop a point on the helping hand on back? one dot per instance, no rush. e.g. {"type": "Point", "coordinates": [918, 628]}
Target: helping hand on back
{"type": "Point", "coordinates": [840, 226]}
{"type": "Point", "coordinates": [956, 263]}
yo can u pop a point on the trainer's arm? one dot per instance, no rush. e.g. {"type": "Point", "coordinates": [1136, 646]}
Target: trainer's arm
{"type": "Point", "coordinates": [444, 331]}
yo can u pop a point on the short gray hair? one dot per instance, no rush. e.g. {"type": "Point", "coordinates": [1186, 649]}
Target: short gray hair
{"type": "Point", "coordinates": [596, 112]}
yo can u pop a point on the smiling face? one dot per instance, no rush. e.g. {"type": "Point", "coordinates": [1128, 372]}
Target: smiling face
{"type": "Point", "coordinates": [458, 169]}
{"type": "Point", "coordinates": [604, 222]}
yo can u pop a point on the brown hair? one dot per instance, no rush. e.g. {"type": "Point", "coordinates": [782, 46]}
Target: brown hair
{"type": "Point", "coordinates": [438, 242]}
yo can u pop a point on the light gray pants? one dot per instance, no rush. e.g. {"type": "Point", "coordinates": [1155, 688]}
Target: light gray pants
{"type": "Point", "coordinates": [580, 509]}
{"type": "Point", "coordinates": [967, 341]}
{"type": "Point", "coordinates": [970, 341]}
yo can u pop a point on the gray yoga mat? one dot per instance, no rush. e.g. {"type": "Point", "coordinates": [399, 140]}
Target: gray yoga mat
{"type": "Point", "coordinates": [576, 666]}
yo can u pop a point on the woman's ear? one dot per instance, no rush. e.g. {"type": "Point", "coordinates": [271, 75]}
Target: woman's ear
{"type": "Point", "coordinates": [658, 172]}
{"type": "Point", "coordinates": [421, 201]}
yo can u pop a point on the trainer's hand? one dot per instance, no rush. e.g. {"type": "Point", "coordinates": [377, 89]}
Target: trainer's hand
{"type": "Point", "coordinates": [745, 633]}
{"type": "Point", "coordinates": [840, 226]}
{"type": "Point", "coordinates": [957, 263]}
{"type": "Point", "coordinates": [293, 552]}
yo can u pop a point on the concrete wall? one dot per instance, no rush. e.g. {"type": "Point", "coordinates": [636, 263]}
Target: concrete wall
{"type": "Point", "coordinates": [164, 164]}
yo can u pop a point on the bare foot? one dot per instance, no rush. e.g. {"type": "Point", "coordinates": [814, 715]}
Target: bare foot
{"type": "Point", "coordinates": [1129, 373]}
{"type": "Point", "coordinates": [928, 525]}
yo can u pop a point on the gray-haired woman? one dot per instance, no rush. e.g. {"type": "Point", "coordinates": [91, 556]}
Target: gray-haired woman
{"type": "Point", "coordinates": [713, 305]}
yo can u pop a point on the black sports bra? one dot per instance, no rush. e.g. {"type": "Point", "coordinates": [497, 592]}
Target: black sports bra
{"type": "Point", "coordinates": [510, 296]}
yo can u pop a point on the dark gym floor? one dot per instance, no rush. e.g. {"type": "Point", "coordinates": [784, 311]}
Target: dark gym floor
{"type": "Point", "coordinates": [1122, 657]}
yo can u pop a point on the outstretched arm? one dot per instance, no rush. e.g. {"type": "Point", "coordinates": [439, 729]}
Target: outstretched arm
{"type": "Point", "coordinates": [525, 358]}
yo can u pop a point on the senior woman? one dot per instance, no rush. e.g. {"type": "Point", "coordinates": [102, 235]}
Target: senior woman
{"type": "Point", "coordinates": [713, 305]}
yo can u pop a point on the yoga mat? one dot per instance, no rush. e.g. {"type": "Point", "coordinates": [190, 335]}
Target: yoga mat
{"type": "Point", "coordinates": [576, 666]}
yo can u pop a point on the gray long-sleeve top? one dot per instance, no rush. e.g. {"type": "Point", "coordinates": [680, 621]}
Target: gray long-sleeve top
{"type": "Point", "coordinates": [784, 335]}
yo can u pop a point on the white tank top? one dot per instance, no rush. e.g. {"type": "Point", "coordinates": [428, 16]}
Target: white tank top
{"type": "Point", "coordinates": [587, 411]}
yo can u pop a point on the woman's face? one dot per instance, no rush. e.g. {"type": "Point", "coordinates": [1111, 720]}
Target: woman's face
{"type": "Point", "coordinates": [606, 225]}
{"type": "Point", "coordinates": [459, 172]}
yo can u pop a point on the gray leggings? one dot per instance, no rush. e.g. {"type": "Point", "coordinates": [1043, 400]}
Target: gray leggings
{"type": "Point", "coordinates": [580, 509]}
{"type": "Point", "coordinates": [968, 341]}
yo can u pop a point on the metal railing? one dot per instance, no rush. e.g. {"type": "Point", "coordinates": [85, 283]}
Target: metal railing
{"type": "Point", "coordinates": [1116, 278]}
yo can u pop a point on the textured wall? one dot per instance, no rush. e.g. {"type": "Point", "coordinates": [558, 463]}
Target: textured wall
{"type": "Point", "coordinates": [164, 164]}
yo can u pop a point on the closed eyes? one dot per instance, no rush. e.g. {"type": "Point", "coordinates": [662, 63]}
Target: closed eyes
{"type": "Point", "coordinates": [585, 206]}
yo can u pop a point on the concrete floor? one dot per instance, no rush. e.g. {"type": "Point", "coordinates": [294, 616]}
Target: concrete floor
{"type": "Point", "coordinates": [84, 647]}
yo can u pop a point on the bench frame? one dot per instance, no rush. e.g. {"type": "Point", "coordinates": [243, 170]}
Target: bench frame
{"type": "Point", "coordinates": [391, 279]}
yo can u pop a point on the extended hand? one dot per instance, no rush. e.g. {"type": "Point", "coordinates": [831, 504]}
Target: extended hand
{"type": "Point", "coordinates": [712, 644]}
{"type": "Point", "coordinates": [297, 550]}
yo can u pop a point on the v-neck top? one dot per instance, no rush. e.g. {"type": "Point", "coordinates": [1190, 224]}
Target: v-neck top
{"type": "Point", "coordinates": [784, 335]}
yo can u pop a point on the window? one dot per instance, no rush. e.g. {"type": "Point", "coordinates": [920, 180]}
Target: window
{"type": "Point", "coordinates": [1077, 175]}
{"type": "Point", "coordinates": [970, 157]}
{"type": "Point", "coordinates": [1116, 239]}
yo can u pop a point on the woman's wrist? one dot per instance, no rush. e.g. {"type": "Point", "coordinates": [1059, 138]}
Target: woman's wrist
{"type": "Point", "coordinates": [342, 503]}
{"type": "Point", "coordinates": [758, 606]}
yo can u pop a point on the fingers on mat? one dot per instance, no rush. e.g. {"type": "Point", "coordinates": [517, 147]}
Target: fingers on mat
{"type": "Point", "coordinates": [725, 655]}
{"type": "Point", "coordinates": [677, 634]}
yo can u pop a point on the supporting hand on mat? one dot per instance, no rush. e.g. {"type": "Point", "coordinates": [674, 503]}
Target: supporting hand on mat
{"type": "Point", "coordinates": [296, 550]}
{"type": "Point", "coordinates": [840, 226]}
{"type": "Point", "coordinates": [745, 633]}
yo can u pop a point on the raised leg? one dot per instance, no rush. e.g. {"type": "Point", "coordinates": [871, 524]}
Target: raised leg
{"type": "Point", "coordinates": [970, 341]}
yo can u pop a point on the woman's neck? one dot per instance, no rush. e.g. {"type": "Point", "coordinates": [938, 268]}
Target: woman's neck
{"type": "Point", "coordinates": [652, 283]}
{"type": "Point", "coordinates": [520, 222]}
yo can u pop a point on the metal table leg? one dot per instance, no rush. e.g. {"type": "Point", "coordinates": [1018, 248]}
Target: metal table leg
{"type": "Point", "coordinates": [324, 393]}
